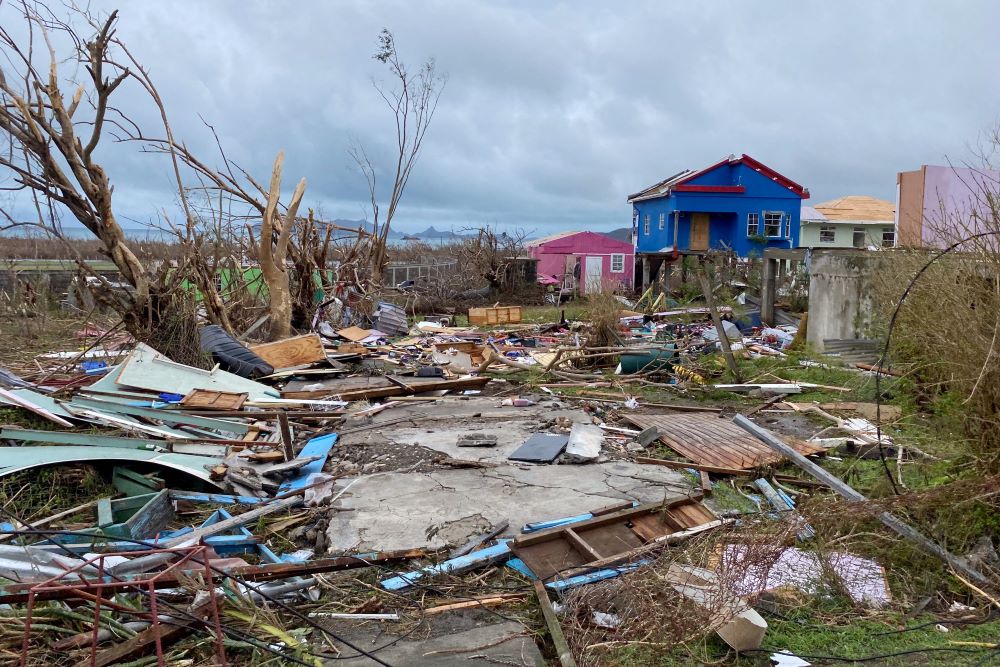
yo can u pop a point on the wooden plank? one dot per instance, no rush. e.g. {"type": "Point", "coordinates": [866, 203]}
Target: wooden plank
{"type": "Point", "coordinates": [296, 351]}
{"type": "Point", "coordinates": [609, 539]}
{"type": "Point", "coordinates": [684, 465]}
{"type": "Point", "coordinates": [145, 641]}
{"type": "Point", "coordinates": [552, 622]}
{"type": "Point", "coordinates": [208, 399]}
{"type": "Point", "coordinates": [151, 518]}
{"type": "Point", "coordinates": [902, 529]}
{"type": "Point", "coordinates": [491, 601]}
{"type": "Point", "coordinates": [570, 536]}
{"type": "Point", "coordinates": [650, 527]}
{"type": "Point", "coordinates": [379, 387]}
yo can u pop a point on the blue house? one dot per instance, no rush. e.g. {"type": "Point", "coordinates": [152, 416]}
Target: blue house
{"type": "Point", "coordinates": [737, 205]}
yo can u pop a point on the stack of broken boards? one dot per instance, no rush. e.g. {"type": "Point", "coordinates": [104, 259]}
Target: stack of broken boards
{"type": "Point", "coordinates": [609, 539]}
{"type": "Point", "coordinates": [715, 444]}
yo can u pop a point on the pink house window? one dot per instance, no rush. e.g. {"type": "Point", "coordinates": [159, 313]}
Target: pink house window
{"type": "Point", "coordinates": [617, 263]}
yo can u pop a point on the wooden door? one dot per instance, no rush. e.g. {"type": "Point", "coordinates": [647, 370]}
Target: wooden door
{"type": "Point", "coordinates": [699, 232]}
{"type": "Point", "coordinates": [594, 278]}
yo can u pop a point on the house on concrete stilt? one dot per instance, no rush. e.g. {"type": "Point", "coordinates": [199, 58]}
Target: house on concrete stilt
{"type": "Point", "coordinates": [737, 205]}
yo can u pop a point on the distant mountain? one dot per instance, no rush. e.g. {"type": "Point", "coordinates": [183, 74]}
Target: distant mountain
{"type": "Point", "coordinates": [623, 234]}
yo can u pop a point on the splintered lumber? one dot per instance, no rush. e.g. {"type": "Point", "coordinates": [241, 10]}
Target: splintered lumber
{"type": "Point", "coordinates": [296, 351]}
{"type": "Point", "coordinates": [363, 388]}
{"type": "Point", "coordinates": [490, 601]}
{"type": "Point", "coordinates": [552, 622]}
{"type": "Point", "coordinates": [902, 529]}
{"type": "Point", "coordinates": [684, 465]}
{"type": "Point", "coordinates": [164, 633]}
{"type": "Point", "coordinates": [713, 442]}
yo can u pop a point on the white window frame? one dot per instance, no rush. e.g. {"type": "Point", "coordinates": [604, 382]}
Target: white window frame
{"type": "Point", "coordinates": [892, 235]}
{"type": "Point", "coordinates": [864, 236]}
{"type": "Point", "coordinates": [619, 259]}
{"type": "Point", "coordinates": [753, 224]}
{"type": "Point", "coordinates": [662, 222]}
{"type": "Point", "coordinates": [828, 229]}
{"type": "Point", "coordinates": [645, 225]}
{"type": "Point", "coordinates": [781, 223]}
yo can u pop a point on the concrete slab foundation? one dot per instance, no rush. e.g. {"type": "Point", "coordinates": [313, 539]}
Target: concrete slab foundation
{"type": "Point", "coordinates": [448, 507]}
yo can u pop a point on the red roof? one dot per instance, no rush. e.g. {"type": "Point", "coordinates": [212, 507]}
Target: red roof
{"type": "Point", "coordinates": [664, 187]}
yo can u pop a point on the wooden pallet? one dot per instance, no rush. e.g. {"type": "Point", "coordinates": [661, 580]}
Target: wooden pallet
{"type": "Point", "coordinates": [605, 538]}
{"type": "Point", "coordinates": [715, 442]}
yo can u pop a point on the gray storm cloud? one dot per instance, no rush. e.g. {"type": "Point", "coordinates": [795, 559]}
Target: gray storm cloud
{"type": "Point", "coordinates": [554, 112]}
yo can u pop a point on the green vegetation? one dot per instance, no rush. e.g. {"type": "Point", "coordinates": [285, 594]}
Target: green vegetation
{"type": "Point", "coordinates": [844, 639]}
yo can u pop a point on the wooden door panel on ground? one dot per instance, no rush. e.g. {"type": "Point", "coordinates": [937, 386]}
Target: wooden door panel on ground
{"type": "Point", "coordinates": [699, 232]}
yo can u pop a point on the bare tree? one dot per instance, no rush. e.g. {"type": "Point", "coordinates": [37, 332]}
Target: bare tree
{"type": "Point", "coordinates": [51, 140]}
{"type": "Point", "coordinates": [492, 256]}
{"type": "Point", "coordinates": [272, 251]}
{"type": "Point", "coordinates": [413, 99]}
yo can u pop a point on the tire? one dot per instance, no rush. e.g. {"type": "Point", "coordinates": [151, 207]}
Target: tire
{"type": "Point", "coordinates": [231, 355]}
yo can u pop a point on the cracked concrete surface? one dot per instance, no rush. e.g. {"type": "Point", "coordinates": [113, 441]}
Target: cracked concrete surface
{"type": "Point", "coordinates": [442, 425]}
{"type": "Point", "coordinates": [447, 507]}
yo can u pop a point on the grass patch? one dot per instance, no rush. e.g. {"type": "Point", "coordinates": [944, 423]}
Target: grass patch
{"type": "Point", "coordinates": [844, 640]}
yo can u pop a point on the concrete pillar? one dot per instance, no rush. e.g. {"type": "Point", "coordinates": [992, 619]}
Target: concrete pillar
{"type": "Point", "coordinates": [767, 290]}
{"type": "Point", "coordinates": [645, 272]}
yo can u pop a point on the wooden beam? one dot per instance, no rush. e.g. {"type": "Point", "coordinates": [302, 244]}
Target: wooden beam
{"type": "Point", "coordinates": [896, 525]}
{"type": "Point", "coordinates": [555, 630]}
{"type": "Point", "coordinates": [684, 465]}
{"type": "Point", "coordinates": [145, 641]}
{"type": "Point", "coordinates": [727, 351]}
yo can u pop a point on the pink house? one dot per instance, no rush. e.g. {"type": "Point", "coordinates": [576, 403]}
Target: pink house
{"type": "Point", "coordinates": [604, 262]}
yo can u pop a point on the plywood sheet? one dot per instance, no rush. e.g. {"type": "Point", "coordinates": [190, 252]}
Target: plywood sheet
{"type": "Point", "coordinates": [296, 351]}
{"type": "Point", "coordinates": [714, 441]}
{"type": "Point", "coordinates": [354, 334]}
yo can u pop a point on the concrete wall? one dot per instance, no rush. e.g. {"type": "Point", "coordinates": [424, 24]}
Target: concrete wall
{"type": "Point", "coordinates": [840, 301]}
{"type": "Point", "coordinates": [843, 234]}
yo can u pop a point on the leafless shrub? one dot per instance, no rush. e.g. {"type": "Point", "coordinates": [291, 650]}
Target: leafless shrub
{"type": "Point", "coordinates": [604, 321]}
{"type": "Point", "coordinates": [491, 257]}
{"type": "Point", "coordinates": [647, 606]}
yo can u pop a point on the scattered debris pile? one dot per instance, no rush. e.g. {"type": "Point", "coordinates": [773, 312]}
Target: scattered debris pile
{"type": "Point", "coordinates": [243, 494]}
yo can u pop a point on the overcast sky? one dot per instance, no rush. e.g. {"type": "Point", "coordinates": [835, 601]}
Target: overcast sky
{"type": "Point", "coordinates": [554, 112]}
